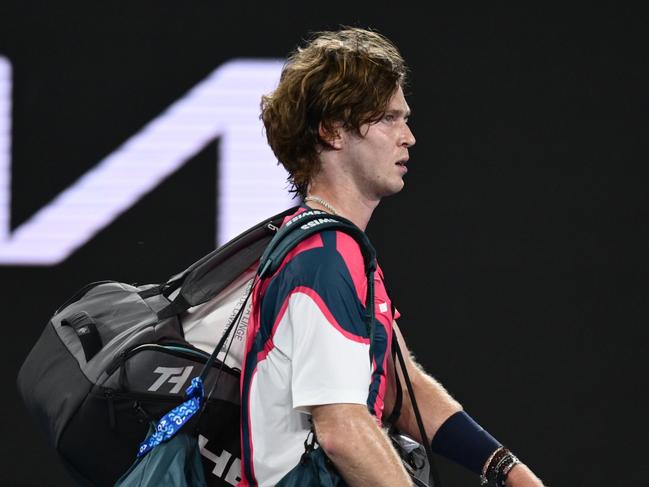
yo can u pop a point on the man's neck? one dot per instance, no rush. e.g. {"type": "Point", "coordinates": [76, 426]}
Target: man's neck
{"type": "Point", "coordinates": [346, 204]}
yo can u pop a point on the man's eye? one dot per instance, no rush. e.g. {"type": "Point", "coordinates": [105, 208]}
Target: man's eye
{"type": "Point", "coordinates": [389, 117]}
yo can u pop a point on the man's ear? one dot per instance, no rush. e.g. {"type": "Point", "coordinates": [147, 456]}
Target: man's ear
{"type": "Point", "coordinates": [331, 135]}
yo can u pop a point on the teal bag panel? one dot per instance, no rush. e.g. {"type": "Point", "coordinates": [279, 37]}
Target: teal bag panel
{"type": "Point", "coordinates": [313, 470]}
{"type": "Point", "coordinates": [174, 463]}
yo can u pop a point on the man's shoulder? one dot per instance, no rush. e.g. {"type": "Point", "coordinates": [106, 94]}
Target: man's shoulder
{"type": "Point", "coordinates": [329, 247]}
{"type": "Point", "coordinates": [325, 262]}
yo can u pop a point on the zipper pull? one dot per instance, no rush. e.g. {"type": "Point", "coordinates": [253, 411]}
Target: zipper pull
{"type": "Point", "coordinates": [272, 227]}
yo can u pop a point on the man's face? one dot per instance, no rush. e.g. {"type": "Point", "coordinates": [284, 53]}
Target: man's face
{"type": "Point", "coordinates": [376, 162]}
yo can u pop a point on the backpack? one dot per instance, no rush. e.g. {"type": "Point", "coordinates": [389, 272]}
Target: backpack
{"type": "Point", "coordinates": [114, 357]}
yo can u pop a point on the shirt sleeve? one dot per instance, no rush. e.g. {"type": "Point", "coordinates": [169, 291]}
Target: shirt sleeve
{"type": "Point", "coordinates": [330, 364]}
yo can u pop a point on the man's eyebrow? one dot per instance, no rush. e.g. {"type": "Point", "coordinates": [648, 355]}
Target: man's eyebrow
{"type": "Point", "coordinates": [399, 112]}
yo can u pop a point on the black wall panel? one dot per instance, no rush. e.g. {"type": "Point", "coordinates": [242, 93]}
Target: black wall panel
{"type": "Point", "coordinates": [517, 253]}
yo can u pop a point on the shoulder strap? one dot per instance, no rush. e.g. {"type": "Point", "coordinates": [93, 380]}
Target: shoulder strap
{"type": "Point", "coordinates": [420, 423]}
{"type": "Point", "coordinates": [308, 223]}
{"type": "Point", "coordinates": [302, 226]}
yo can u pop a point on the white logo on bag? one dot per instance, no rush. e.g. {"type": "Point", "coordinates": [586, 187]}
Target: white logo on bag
{"type": "Point", "coordinates": [299, 216]}
{"type": "Point", "coordinates": [172, 375]}
{"type": "Point", "coordinates": [314, 223]}
{"type": "Point", "coordinates": [232, 475]}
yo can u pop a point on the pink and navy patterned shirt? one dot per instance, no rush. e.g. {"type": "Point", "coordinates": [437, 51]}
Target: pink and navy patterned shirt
{"type": "Point", "coordinates": [308, 345]}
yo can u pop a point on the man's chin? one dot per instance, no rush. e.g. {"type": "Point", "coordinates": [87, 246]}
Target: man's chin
{"type": "Point", "coordinates": [389, 188]}
{"type": "Point", "coordinates": [396, 188]}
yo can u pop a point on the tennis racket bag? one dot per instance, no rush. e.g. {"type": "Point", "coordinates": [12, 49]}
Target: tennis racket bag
{"type": "Point", "coordinates": [115, 357]}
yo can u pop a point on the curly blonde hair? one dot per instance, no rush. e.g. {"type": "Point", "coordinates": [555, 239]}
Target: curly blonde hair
{"type": "Point", "coordinates": [346, 76]}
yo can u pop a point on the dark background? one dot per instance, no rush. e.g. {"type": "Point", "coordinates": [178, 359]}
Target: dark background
{"type": "Point", "coordinates": [517, 254]}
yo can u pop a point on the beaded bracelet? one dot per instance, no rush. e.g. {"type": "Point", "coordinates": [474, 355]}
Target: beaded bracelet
{"type": "Point", "coordinates": [497, 453]}
{"type": "Point", "coordinates": [498, 467]}
{"type": "Point", "coordinates": [504, 469]}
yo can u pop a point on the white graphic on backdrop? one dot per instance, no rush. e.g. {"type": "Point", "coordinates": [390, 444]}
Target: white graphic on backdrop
{"type": "Point", "coordinates": [5, 152]}
{"type": "Point", "coordinates": [225, 105]}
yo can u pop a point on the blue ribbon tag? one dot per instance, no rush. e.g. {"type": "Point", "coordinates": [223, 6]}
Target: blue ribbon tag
{"type": "Point", "coordinates": [171, 422]}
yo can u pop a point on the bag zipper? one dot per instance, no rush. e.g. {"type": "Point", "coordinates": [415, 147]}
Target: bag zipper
{"type": "Point", "coordinates": [179, 350]}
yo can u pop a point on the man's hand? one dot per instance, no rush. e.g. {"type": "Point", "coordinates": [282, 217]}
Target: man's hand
{"type": "Point", "coordinates": [521, 476]}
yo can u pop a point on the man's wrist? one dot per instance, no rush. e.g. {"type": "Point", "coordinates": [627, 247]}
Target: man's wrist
{"type": "Point", "coordinates": [465, 442]}
{"type": "Point", "coordinates": [483, 475]}
{"type": "Point", "coordinates": [498, 467]}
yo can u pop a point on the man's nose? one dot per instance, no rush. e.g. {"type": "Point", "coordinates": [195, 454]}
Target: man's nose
{"type": "Point", "coordinates": [408, 137]}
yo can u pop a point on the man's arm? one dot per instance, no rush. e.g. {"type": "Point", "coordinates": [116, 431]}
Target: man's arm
{"type": "Point", "coordinates": [435, 406]}
{"type": "Point", "coordinates": [359, 449]}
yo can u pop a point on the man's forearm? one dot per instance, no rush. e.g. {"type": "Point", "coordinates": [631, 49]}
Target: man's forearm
{"type": "Point", "coordinates": [435, 404]}
{"type": "Point", "coordinates": [361, 452]}
{"type": "Point", "coordinates": [456, 435]}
